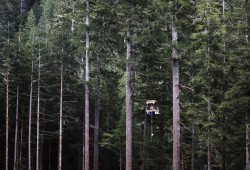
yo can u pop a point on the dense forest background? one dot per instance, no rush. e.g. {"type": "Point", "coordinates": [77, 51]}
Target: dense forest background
{"type": "Point", "coordinates": [47, 47]}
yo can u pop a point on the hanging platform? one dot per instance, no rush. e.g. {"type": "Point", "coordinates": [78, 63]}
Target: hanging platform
{"type": "Point", "coordinates": [152, 107]}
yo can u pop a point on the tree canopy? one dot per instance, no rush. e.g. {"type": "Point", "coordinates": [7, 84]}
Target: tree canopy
{"type": "Point", "coordinates": [126, 51]}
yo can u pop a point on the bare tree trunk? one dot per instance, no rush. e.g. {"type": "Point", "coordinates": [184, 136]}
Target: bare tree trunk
{"type": "Point", "coordinates": [60, 117]}
{"type": "Point", "coordinates": [129, 93]}
{"type": "Point", "coordinates": [247, 143]}
{"type": "Point", "coordinates": [17, 127]}
{"type": "Point", "coordinates": [38, 112]}
{"type": "Point", "coordinates": [86, 146]}
{"type": "Point", "coordinates": [7, 122]}
{"type": "Point", "coordinates": [17, 115]}
{"type": "Point", "coordinates": [30, 112]}
{"type": "Point", "coordinates": [49, 155]}
{"type": "Point", "coordinates": [176, 102]}
{"type": "Point", "coordinates": [193, 149]}
{"type": "Point", "coordinates": [247, 114]}
{"type": "Point", "coordinates": [209, 151]}
{"type": "Point", "coordinates": [21, 144]}
{"type": "Point", "coordinates": [224, 144]}
{"type": "Point", "coordinates": [224, 62]}
{"type": "Point", "coordinates": [41, 154]}
{"type": "Point", "coordinates": [97, 113]}
{"type": "Point", "coordinates": [23, 6]}
{"type": "Point", "coordinates": [7, 105]}
{"type": "Point", "coordinates": [182, 161]}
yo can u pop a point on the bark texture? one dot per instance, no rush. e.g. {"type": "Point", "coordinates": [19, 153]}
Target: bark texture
{"type": "Point", "coordinates": [23, 6]}
{"type": "Point", "coordinates": [247, 117]}
{"type": "Point", "coordinates": [7, 123]}
{"type": "Point", "coordinates": [21, 142]}
{"type": "Point", "coordinates": [38, 114]}
{"type": "Point", "coordinates": [86, 146]}
{"type": "Point", "coordinates": [30, 112]}
{"type": "Point", "coordinates": [129, 93]}
{"type": "Point", "coordinates": [60, 118]}
{"type": "Point", "coordinates": [16, 128]}
{"type": "Point", "coordinates": [193, 149]}
{"type": "Point", "coordinates": [176, 102]}
{"type": "Point", "coordinates": [247, 143]}
{"type": "Point", "coordinates": [209, 150]}
{"type": "Point", "coordinates": [97, 114]}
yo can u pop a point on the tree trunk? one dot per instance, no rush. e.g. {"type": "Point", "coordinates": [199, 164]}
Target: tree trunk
{"type": "Point", "coordinates": [247, 143]}
{"type": "Point", "coordinates": [193, 149]}
{"type": "Point", "coordinates": [97, 112]}
{"type": "Point", "coordinates": [224, 62]}
{"type": "Point", "coordinates": [209, 151]}
{"type": "Point", "coordinates": [21, 144]}
{"type": "Point", "coordinates": [7, 106]}
{"type": "Point", "coordinates": [17, 127]}
{"type": "Point", "coordinates": [30, 112]}
{"type": "Point", "coordinates": [49, 155]}
{"type": "Point", "coordinates": [41, 154]}
{"type": "Point", "coordinates": [38, 113]}
{"type": "Point", "coordinates": [224, 144]}
{"type": "Point", "coordinates": [176, 102]}
{"type": "Point", "coordinates": [60, 117]}
{"type": "Point", "coordinates": [23, 6]}
{"type": "Point", "coordinates": [7, 122]}
{"type": "Point", "coordinates": [86, 146]}
{"type": "Point", "coordinates": [129, 93]}
{"type": "Point", "coordinates": [247, 108]}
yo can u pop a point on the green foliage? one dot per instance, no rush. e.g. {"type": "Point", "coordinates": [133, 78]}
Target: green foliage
{"type": "Point", "coordinates": [47, 7]}
{"type": "Point", "coordinates": [214, 59]}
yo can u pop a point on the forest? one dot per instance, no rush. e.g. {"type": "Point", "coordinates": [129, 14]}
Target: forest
{"type": "Point", "coordinates": [125, 84]}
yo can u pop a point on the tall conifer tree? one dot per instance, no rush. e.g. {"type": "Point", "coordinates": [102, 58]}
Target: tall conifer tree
{"type": "Point", "coordinates": [86, 122]}
{"type": "Point", "coordinates": [176, 94]}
